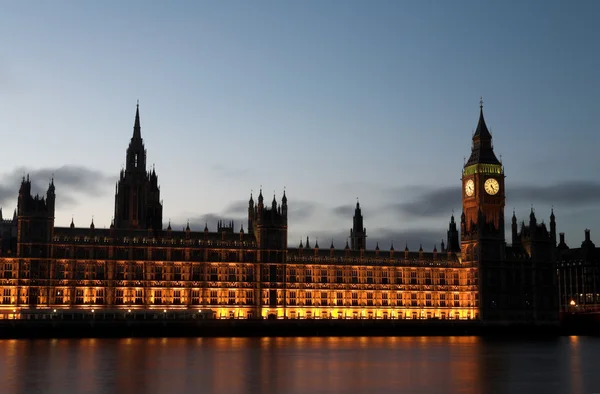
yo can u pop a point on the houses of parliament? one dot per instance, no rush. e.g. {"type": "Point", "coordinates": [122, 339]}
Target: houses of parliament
{"type": "Point", "coordinates": [139, 267]}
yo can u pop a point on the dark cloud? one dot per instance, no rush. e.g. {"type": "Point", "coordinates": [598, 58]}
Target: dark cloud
{"type": "Point", "coordinates": [440, 202]}
{"type": "Point", "coordinates": [69, 181]}
{"type": "Point", "coordinates": [300, 211]}
{"type": "Point", "coordinates": [344, 211]}
{"type": "Point", "coordinates": [237, 208]}
{"type": "Point", "coordinates": [431, 203]}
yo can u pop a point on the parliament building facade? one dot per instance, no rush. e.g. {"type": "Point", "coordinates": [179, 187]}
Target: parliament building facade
{"type": "Point", "coordinates": [139, 267]}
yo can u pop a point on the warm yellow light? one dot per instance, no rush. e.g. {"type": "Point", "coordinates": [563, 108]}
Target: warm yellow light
{"type": "Point", "coordinates": [572, 302]}
{"type": "Point", "coordinates": [165, 311]}
{"type": "Point", "coordinates": [128, 310]}
{"type": "Point", "coordinates": [55, 311]}
{"type": "Point", "coordinates": [14, 311]}
{"type": "Point", "coordinates": [92, 311]}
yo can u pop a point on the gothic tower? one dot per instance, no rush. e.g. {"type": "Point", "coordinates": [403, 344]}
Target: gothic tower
{"type": "Point", "coordinates": [358, 233]}
{"type": "Point", "coordinates": [482, 219]}
{"type": "Point", "coordinates": [137, 196]}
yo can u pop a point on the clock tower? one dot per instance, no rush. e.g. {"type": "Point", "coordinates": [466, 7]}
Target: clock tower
{"type": "Point", "coordinates": [482, 221]}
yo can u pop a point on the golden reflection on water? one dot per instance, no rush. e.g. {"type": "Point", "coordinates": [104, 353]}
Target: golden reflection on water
{"type": "Point", "coordinates": [293, 365]}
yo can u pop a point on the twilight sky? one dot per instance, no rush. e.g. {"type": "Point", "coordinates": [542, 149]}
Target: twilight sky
{"type": "Point", "coordinates": [332, 100]}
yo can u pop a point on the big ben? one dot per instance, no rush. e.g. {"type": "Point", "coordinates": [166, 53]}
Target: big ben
{"type": "Point", "coordinates": [482, 221]}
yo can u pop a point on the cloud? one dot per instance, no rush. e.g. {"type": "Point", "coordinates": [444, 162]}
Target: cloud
{"type": "Point", "coordinates": [237, 208]}
{"type": "Point", "coordinates": [344, 211]}
{"type": "Point", "coordinates": [69, 180]}
{"type": "Point", "coordinates": [438, 202]}
{"type": "Point", "coordinates": [300, 211]}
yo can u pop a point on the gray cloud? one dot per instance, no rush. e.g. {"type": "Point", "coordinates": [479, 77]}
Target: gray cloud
{"type": "Point", "coordinates": [300, 211]}
{"type": "Point", "coordinates": [237, 208]}
{"type": "Point", "coordinates": [69, 180]}
{"type": "Point", "coordinates": [437, 202]}
{"type": "Point", "coordinates": [344, 211]}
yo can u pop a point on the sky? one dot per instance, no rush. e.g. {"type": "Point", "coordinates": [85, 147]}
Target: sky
{"type": "Point", "coordinates": [332, 101]}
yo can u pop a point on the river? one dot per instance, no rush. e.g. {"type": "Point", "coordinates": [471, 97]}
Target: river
{"type": "Point", "coordinates": [301, 365]}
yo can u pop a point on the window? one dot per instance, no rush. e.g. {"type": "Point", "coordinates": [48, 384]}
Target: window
{"type": "Point", "coordinates": [442, 278]}
{"type": "Point", "coordinates": [338, 276]}
{"type": "Point", "coordinates": [456, 300]}
{"type": "Point", "coordinates": [139, 272]}
{"type": "Point", "coordinates": [339, 299]}
{"type": "Point", "coordinates": [292, 298]}
{"type": "Point", "coordinates": [58, 297]}
{"type": "Point", "coordinates": [158, 297]}
{"type": "Point", "coordinates": [427, 299]}
{"type": "Point", "coordinates": [384, 277]}
{"type": "Point", "coordinates": [250, 297]}
{"type": "Point", "coordinates": [413, 299]}
{"type": "Point", "coordinates": [214, 274]}
{"type": "Point", "coordinates": [354, 276]}
{"type": "Point", "coordinates": [399, 277]}
{"type": "Point", "coordinates": [6, 296]}
{"type": "Point", "coordinates": [384, 299]}
{"type": "Point", "coordinates": [308, 275]}
{"type": "Point", "coordinates": [196, 272]}
{"type": "Point", "coordinates": [292, 275]}
{"type": "Point", "coordinates": [323, 276]}
{"type": "Point", "coordinates": [309, 298]}
{"type": "Point", "coordinates": [369, 299]}
{"type": "Point", "coordinates": [443, 300]}
{"type": "Point", "coordinates": [428, 277]}
{"type": "Point", "coordinates": [213, 297]}
{"type": "Point", "coordinates": [139, 296]}
{"type": "Point", "coordinates": [119, 297]}
{"type": "Point", "coordinates": [413, 277]}
{"type": "Point", "coordinates": [177, 297]}
{"type": "Point", "coordinates": [195, 297]}
{"type": "Point", "coordinates": [158, 272]}
{"type": "Point", "coordinates": [231, 297]}
{"type": "Point", "coordinates": [79, 296]}
{"type": "Point", "coordinates": [455, 279]}
{"type": "Point", "coordinates": [354, 299]}
{"type": "Point", "coordinates": [399, 299]}
{"type": "Point", "coordinates": [231, 274]}
{"type": "Point", "coordinates": [80, 271]}
{"type": "Point", "coordinates": [324, 298]}
{"type": "Point", "coordinates": [99, 296]}
{"type": "Point", "coordinates": [369, 276]}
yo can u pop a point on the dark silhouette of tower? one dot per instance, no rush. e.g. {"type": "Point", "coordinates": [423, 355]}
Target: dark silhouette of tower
{"type": "Point", "coordinates": [358, 233]}
{"type": "Point", "coordinates": [482, 221]}
{"type": "Point", "coordinates": [453, 238]}
{"type": "Point", "coordinates": [137, 196]}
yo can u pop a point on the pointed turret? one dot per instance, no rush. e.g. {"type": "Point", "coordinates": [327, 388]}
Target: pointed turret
{"type": "Point", "coordinates": [72, 223]}
{"type": "Point", "coordinates": [392, 246]}
{"type": "Point", "coordinates": [137, 130]}
{"type": "Point", "coordinates": [482, 150]}
{"type": "Point", "coordinates": [92, 226]}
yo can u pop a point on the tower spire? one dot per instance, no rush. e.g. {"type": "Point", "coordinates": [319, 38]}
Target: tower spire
{"type": "Point", "coordinates": [137, 130]}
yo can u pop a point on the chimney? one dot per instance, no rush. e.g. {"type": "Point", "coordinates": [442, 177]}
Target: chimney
{"type": "Point", "coordinates": [587, 234]}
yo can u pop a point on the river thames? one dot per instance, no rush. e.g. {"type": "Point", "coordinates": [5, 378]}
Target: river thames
{"type": "Point", "coordinates": [301, 365]}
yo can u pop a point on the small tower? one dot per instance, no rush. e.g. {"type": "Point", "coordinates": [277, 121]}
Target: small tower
{"type": "Point", "coordinates": [453, 238]}
{"type": "Point", "coordinates": [358, 233]}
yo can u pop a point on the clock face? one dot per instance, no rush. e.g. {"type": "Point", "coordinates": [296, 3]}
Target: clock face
{"type": "Point", "coordinates": [469, 188]}
{"type": "Point", "coordinates": [491, 186]}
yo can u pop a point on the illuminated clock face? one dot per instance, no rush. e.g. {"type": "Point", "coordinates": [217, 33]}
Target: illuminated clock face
{"type": "Point", "coordinates": [491, 186]}
{"type": "Point", "coordinates": [469, 188]}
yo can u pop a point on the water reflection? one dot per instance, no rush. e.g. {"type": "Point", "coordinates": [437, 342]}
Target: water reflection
{"type": "Point", "coordinates": [299, 365]}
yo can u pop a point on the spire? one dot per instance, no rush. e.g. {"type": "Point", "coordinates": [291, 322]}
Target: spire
{"type": "Point", "coordinates": [187, 228]}
{"type": "Point", "coordinates": [72, 222]}
{"type": "Point", "coordinates": [406, 247]}
{"type": "Point", "coordinates": [482, 130]}
{"type": "Point", "coordinates": [307, 243]}
{"type": "Point", "coordinates": [300, 246]}
{"type": "Point", "coordinates": [331, 247]}
{"type": "Point", "coordinates": [137, 130]}
{"type": "Point", "coordinates": [169, 226]}
{"type": "Point", "coordinates": [205, 227]}
{"type": "Point", "coordinates": [482, 150]}
{"type": "Point", "coordinates": [92, 225]}
{"type": "Point", "coordinates": [317, 243]}
{"type": "Point", "coordinates": [377, 246]}
{"type": "Point", "coordinates": [392, 247]}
